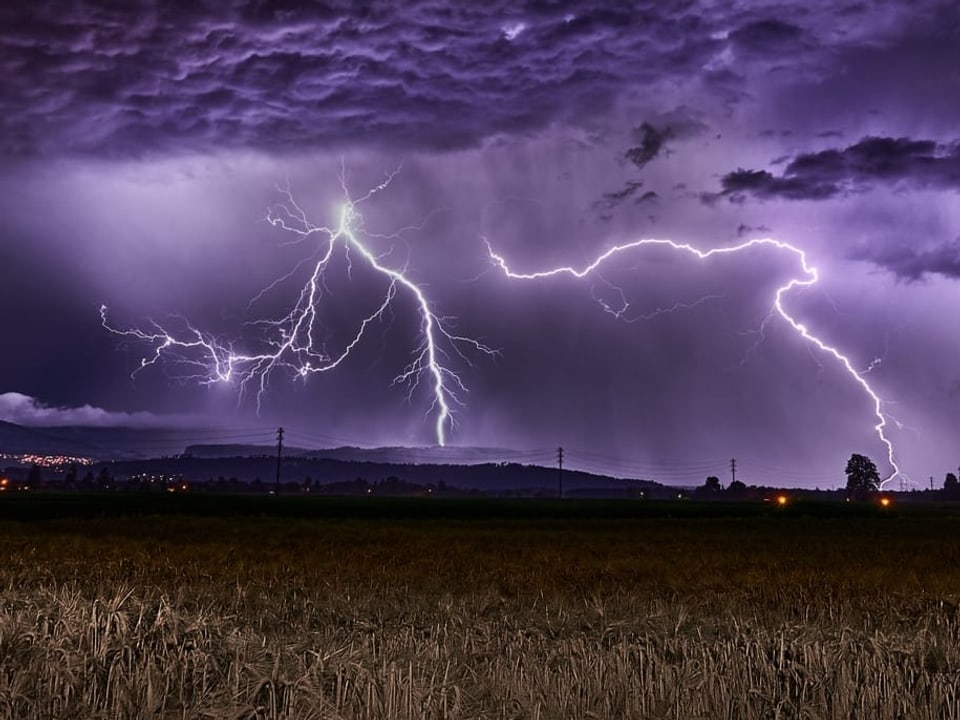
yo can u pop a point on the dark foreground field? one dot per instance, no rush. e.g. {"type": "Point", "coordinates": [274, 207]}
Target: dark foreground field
{"type": "Point", "coordinates": [499, 610]}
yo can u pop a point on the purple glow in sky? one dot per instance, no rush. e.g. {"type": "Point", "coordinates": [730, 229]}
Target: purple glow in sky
{"type": "Point", "coordinates": [141, 146]}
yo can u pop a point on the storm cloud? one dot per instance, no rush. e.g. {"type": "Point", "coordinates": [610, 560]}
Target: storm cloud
{"type": "Point", "coordinates": [870, 162]}
{"type": "Point", "coordinates": [126, 79]}
{"type": "Point", "coordinates": [768, 37]}
{"type": "Point", "coordinates": [25, 410]}
{"type": "Point", "coordinates": [914, 264]}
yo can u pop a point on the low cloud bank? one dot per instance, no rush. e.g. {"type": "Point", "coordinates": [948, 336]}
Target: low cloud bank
{"type": "Point", "coordinates": [26, 410]}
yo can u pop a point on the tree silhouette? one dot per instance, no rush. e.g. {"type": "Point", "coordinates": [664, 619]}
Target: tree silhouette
{"type": "Point", "coordinates": [711, 488]}
{"type": "Point", "coordinates": [862, 477]}
{"type": "Point", "coordinates": [737, 490]}
{"type": "Point", "coordinates": [951, 487]}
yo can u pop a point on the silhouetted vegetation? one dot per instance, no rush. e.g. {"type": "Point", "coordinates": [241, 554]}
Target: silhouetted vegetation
{"type": "Point", "coordinates": [951, 487]}
{"type": "Point", "coordinates": [862, 477]}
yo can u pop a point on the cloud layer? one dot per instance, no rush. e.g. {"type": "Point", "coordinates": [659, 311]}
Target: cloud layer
{"type": "Point", "coordinates": [25, 410]}
{"type": "Point", "coordinates": [915, 263]}
{"type": "Point", "coordinates": [871, 161]}
{"type": "Point", "coordinates": [132, 78]}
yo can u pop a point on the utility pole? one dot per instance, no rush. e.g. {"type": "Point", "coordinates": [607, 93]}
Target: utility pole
{"type": "Point", "coordinates": [560, 472]}
{"type": "Point", "coordinates": [931, 482]}
{"type": "Point", "coordinates": [279, 452]}
{"type": "Point", "coordinates": [733, 470]}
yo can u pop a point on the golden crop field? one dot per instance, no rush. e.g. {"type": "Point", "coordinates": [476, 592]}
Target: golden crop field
{"type": "Point", "coordinates": [470, 617]}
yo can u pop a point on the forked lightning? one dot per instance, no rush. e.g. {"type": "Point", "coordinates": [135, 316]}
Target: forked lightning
{"type": "Point", "coordinates": [809, 278]}
{"type": "Point", "coordinates": [291, 343]}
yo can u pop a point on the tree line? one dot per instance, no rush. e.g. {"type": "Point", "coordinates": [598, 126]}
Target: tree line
{"type": "Point", "coordinates": [863, 482]}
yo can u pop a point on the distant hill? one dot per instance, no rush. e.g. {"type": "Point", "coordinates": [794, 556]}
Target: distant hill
{"type": "Point", "coordinates": [17, 439]}
{"type": "Point", "coordinates": [399, 455]}
{"type": "Point", "coordinates": [419, 455]}
{"type": "Point", "coordinates": [101, 443]}
{"type": "Point", "coordinates": [122, 443]}
{"type": "Point", "coordinates": [235, 450]}
{"type": "Point", "coordinates": [487, 477]}
{"type": "Point", "coordinates": [129, 452]}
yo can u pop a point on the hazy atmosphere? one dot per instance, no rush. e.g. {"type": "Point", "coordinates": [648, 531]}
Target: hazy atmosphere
{"type": "Point", "coordinates": [156, 271]}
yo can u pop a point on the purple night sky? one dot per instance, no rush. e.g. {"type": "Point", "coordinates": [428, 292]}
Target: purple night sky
{"type": "Point", "coordinates": [142, 145]}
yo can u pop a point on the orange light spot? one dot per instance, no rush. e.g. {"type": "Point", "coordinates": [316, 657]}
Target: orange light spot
{"type": "Point", "coordinates": [885, 502]}
{"type": "Point", "coordinates": [781, 500]}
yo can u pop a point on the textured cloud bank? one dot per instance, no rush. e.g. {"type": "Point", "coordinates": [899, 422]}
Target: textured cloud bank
{"type": "Point", "coordinates": [25, 410]}
{"type": "Point", "coordinates": [913, 263]}
{"type": "Point", "coordinates": [132, 78]}
{"type": "Point", "coordinates": [870, 162]}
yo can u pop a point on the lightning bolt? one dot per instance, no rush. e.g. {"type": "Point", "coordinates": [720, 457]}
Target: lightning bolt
{"type": "Point", "coordinates": [809, 278]}
{"type": "Point", "coordinates": [623, 306]}
{"type": "Point", "coordinates": [291, 344]}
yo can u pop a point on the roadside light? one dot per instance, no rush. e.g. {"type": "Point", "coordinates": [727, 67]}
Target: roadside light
{"type": "Point", "coordinates": [781, 500]}
{"type": "Point", "coordinates": [885, 502]}
{"type": "Point", "coordinates": [4, 482]}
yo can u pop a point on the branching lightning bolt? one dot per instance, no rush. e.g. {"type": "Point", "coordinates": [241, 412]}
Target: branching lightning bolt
{"type": "Point", "coordinates": [623, 306]}
{"type": "Point", "coordinates": [291, 343]}
{"type": "Point", "coordinates": [809, 278]}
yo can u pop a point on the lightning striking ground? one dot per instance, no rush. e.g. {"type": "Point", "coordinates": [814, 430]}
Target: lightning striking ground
{"type": "Point", "coordinates": [809, 278]}
{"type": "Point", "coordinates": [291, 343]}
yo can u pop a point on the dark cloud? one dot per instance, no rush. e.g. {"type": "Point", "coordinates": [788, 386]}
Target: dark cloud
{"type": "Point", "coordinates": [111, 78]}
{"type": "Point", "coordinates": [915, 263]}
{"type": "Point", "coordinates": [768, 37]}
{"type": "Point", "coordinates": [650, 142]}
{"type": "Point", "coordinates": [764, 184]}
{"type": "Point", "coordinates": [612, 199]}
{"type": "Point", "coordinates": [25, 410]}
{"type": "Point", "coordinates": [651, 137]}
{"type": "Point", "coordinates": [744, 229]}
{"type": "Point", "coordinates": [872, 161]}
{"type": "Point", "coordinates": [122, 78]}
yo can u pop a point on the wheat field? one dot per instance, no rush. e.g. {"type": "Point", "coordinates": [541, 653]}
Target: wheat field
{"type": "Point", "coordinates": [761, 617]}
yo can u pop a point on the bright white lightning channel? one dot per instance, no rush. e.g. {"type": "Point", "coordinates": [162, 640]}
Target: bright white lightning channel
{"type": "Point", "coordinates": [290, 341]}
{"type": "Point", "coordinates": [810, 277]}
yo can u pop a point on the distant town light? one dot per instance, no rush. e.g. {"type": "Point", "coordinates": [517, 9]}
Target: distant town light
{"type": "Point", "coordinates": [781, 500]}
{"type": "Point", "coordinates": [55, 462]}
{"type": "Point", "coordinates": [885, 502]}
